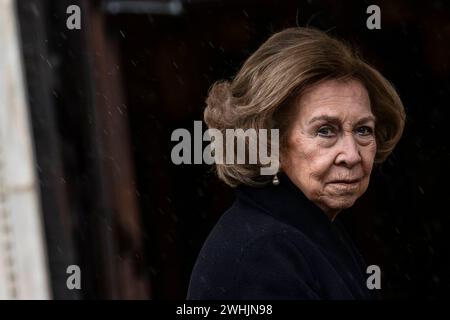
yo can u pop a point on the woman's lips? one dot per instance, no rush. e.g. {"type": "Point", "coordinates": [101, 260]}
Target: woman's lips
{"type": "Point", "coordinates": [346, 181]}
{"type": "Point", "coordinates": [345, 185]}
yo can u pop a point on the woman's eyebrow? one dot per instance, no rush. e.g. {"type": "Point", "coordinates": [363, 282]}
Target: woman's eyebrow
{"type": "Point", "coordinates": [370, 118]}
{"type": "Point", "coordinates": [324, 118]}
{"type": "Point", "coordinates": [337, 120]}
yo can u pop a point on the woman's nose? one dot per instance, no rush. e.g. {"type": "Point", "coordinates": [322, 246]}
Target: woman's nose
{"type": "Point", "coordinates": [348, 151]}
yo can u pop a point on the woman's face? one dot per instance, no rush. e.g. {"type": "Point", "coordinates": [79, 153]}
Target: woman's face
{"type": "Point", "coordinates": [331, 144]}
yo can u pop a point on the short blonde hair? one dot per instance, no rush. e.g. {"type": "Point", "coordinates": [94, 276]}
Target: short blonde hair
{"type": "Point", "coordinates": [263, 92]}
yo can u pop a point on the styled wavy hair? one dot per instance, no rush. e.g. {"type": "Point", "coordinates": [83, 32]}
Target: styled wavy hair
{"type": "Point", "coordinates": [273, 78]}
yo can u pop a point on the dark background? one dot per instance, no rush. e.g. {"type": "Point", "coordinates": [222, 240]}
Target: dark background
{"type": "Point", "coordinates": [105, 99]}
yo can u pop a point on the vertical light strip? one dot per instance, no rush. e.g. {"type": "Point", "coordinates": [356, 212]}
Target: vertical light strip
{"type": "Point", "coordinates": [23, 261]}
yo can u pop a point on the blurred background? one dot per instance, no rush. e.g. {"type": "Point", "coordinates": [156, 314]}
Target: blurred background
{"type": "Point", "coordinates": [86, 117]}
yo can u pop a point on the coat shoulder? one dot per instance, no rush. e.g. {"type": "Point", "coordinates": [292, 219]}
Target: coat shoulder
{"type": "Point", "coordinates": [246, 250]}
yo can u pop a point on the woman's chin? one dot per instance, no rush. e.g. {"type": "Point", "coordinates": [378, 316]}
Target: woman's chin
{"type": "Point", "coordinates": [338, 203]}
{"type": "Point", "coordinates": [337, 197]}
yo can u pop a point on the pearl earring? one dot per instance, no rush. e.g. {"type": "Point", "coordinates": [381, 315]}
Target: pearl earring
{"type": "Point", "coordinates": [275, 180]}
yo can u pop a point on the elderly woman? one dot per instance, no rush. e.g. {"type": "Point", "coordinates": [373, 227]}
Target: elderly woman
{"type": "Point", "coordinates": [336, 116]}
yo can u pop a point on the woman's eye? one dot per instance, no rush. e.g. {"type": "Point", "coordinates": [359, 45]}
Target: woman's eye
{"type": "Point", "coordinates": [364, 131]}
{"type": "Point", "coordinates": [325, 131]}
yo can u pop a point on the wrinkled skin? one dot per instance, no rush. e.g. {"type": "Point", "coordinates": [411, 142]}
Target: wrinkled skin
{"type": "Point", "coordinates": [331, 144]}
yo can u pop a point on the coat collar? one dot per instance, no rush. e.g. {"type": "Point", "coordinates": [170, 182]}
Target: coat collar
{"type": "Point", "coordinates": [286, 202]}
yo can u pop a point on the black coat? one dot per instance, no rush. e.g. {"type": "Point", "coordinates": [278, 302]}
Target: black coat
{"type": "Point", "coordinates": [273, 243]}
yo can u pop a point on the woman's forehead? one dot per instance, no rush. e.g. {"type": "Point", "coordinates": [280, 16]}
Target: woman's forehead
{"type": "Point", "coordinates": [332, 91]}
{"type": "Point", "coordinates": [335, 100]}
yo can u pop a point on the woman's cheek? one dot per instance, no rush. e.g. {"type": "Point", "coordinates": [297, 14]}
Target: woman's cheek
{"type": "Point", "coordinates": [323, 162]}
{"type": "Point", "coordinates": [369, 156]}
